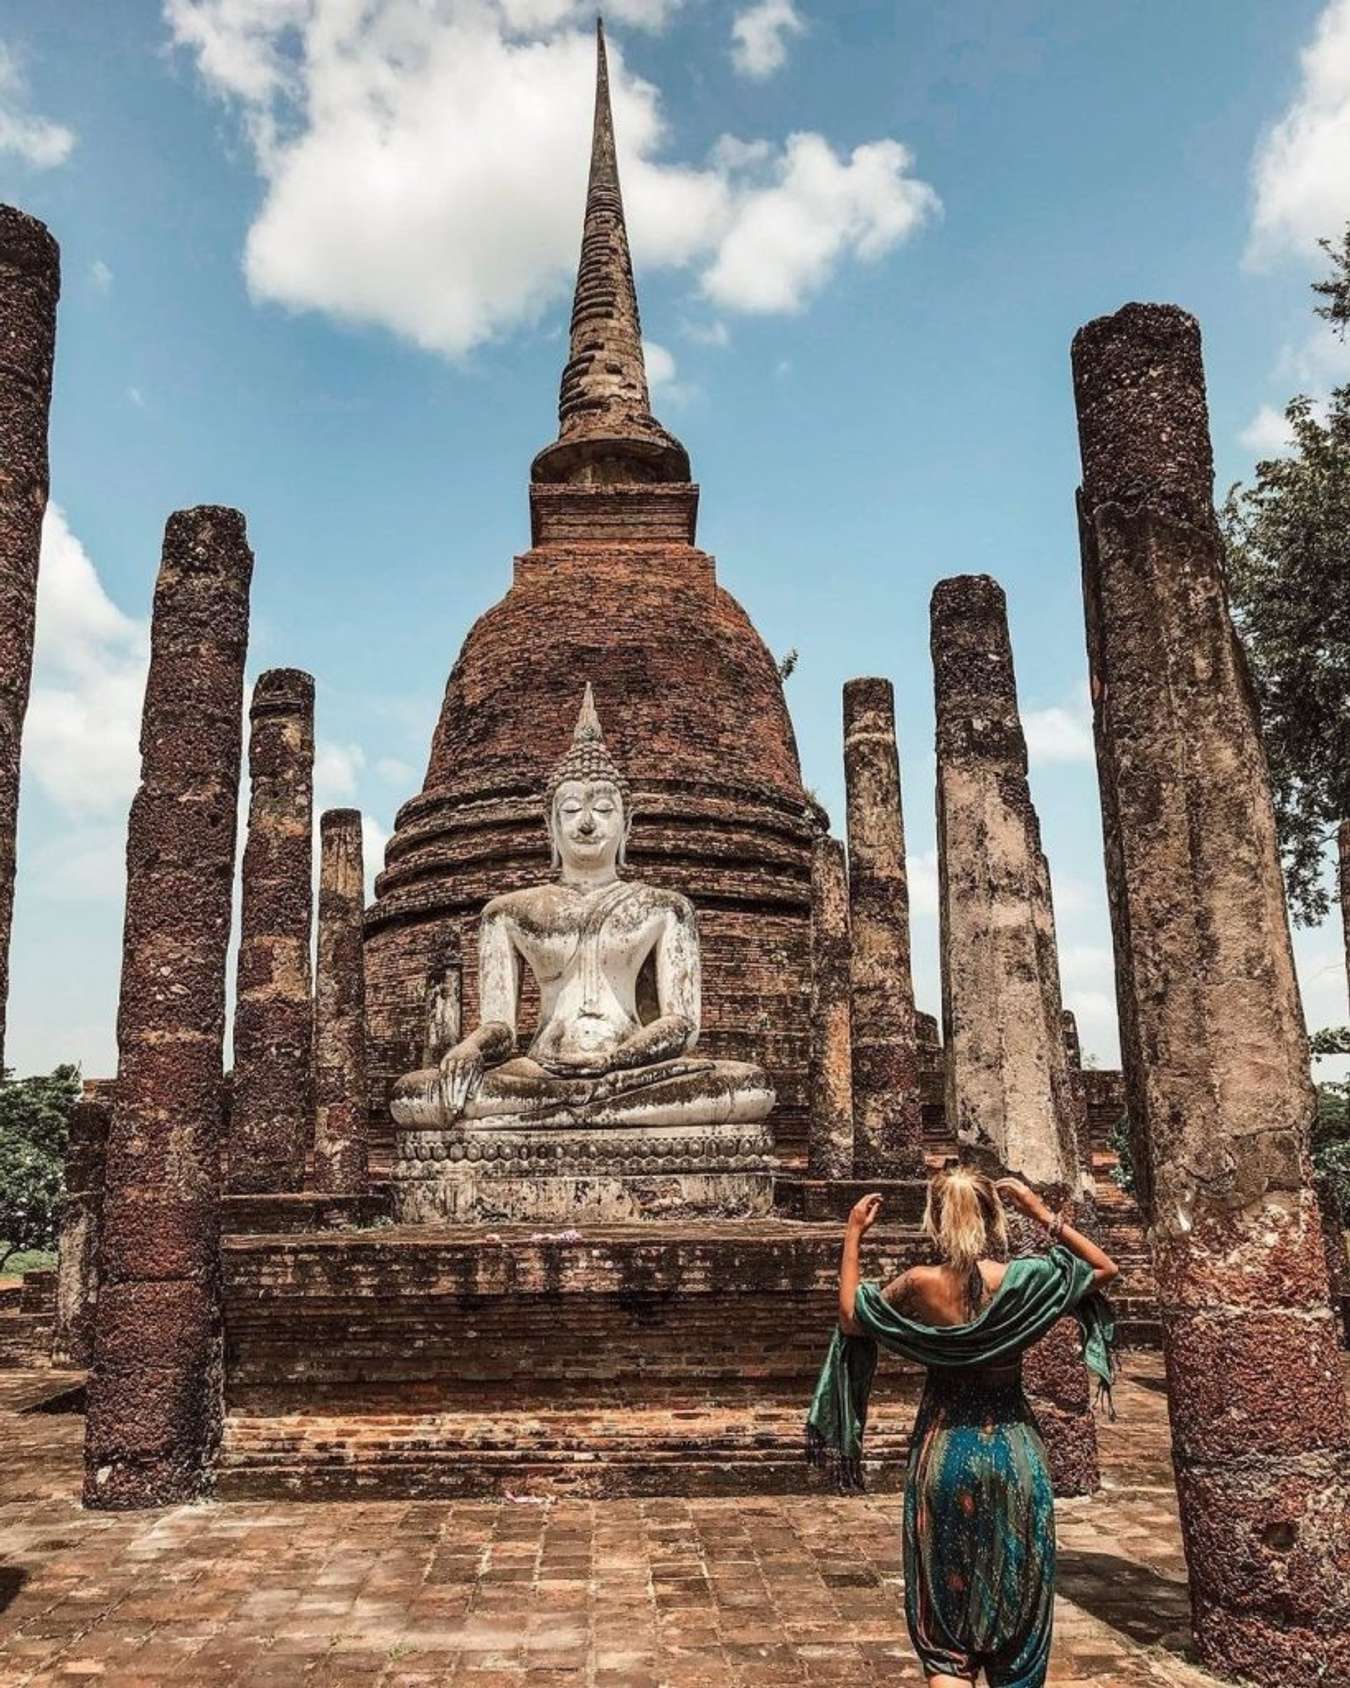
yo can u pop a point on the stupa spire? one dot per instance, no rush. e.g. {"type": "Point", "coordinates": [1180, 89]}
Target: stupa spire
{"type": "Point", "coordinates": [607, 432]}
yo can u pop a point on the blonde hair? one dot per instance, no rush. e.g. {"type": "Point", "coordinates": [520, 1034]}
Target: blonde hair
{"type": "Point", "coordinates": [964, 1217]}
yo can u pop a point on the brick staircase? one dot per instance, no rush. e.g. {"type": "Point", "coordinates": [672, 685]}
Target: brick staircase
{"type": "Point", "coordinates": [27, 1315]}
{"type": "Point", "coordinates": [581, 1442]}
{"type": "Point", "coordinates": [1134, 1295]}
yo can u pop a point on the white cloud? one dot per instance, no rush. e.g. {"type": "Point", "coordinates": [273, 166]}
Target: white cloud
{"type": "Point", "coordinates": [81, 735]}
{"type": "Point", "coordinates": [1074, 896]}
{"type": "Point", "coordinates": [760, 35]}
{"type": "Point", "coordinates": [100, 275]}
{"type": "Point", "coordinates": [424, 167]}
{"type": "Point", "coordinates": [137, 397]}
{"type": "Point", "coordinates": [396, 771]}
{"type": "Point", "coordinates": [81, 863]}
{"type": "Point", "coordinates": [660, 365]}
{"type": "Point", "coordinates": [36, 140]}
{"type": "Point", "coordinates": [1267, 434]}
{"type": "Point", "coordinates": [337, 771]}
{"type": "Point", "coordinates": [1302, 165]}
{"type": "Point", "coordinates": [374, 837]}
{"type": "Point", "coordinates": [1057, 734]}
{"type": "Point", "coordinates": [797, 219]}
{"type": "Point", "coordinates": [922, 872]}
{"type": "Point", "coordinates": [714, 333]}
{"type": "Point", "coordinates": [1319, 361]}
{"type": "Point", "coordinates": [1085, 965]}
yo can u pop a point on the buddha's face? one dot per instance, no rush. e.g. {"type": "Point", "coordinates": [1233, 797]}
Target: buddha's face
{"type": "Point", "coordinates": [589, 824]}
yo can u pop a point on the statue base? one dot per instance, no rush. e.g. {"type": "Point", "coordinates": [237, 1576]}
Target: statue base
{"type": "Point", "coordinates": [507, 1173]}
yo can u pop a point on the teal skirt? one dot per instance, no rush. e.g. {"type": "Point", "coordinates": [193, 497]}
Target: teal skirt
{"type": "Point", "coordinates": [979, 1532]}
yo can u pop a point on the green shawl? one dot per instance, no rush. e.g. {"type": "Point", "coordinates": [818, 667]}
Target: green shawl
{"type": "Point", "coordinates": [1036, 1290]}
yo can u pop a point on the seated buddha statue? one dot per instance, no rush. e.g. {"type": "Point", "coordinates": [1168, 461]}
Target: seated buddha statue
{"type": "Point", "coordinates": [617, 965]}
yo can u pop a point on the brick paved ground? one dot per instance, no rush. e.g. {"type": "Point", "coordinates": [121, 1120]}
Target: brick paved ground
{"type": "Point", "coordinates": [791, 1590]}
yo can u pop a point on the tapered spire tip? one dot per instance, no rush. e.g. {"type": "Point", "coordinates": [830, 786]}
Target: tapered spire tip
{"type": "Point", "coordinates": [606, 428]}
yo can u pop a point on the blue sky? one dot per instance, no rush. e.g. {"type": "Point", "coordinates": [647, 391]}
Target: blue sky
{"type": "Point", "coordinates": [317, 261]}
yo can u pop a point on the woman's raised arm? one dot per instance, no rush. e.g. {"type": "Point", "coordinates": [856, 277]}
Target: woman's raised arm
{"type": "Point", "coordinates": [1027, 1201]}
{"type": "Point", "coordinates": [864, 1215]}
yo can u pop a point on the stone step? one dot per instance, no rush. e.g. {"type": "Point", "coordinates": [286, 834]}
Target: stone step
{"type": "Point", "coordinates": [815, 1199]}
{"type": "Point", "coordinates": [25, 1341]}
{"type": "Point", "coordinates": [304, 1211]}
{"type": "Point", "coordinates": [734, 1441]}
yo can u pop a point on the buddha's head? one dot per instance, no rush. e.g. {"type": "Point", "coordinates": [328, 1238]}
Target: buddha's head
{"type": "Point", "coordinates": [588, 809]}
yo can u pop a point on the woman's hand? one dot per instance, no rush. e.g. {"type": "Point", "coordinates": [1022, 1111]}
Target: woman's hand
{"type": "Point", "coordinates": [865, 1215]}
{"type": "Point", "coordinates": [1023, 1198]}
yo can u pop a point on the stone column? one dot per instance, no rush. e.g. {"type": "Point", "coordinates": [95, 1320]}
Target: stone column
{"type": "Point", "coordinates": [887, 1126]}
{"type": "Point", "coordinates": [1082, 1130]}
{"type": "Point", "coordinates": [1343, 884]}
{"type": "Point", "coordinates": [1008, 1090]}
{"type": "Point", "coordinates": [155, 1391]}
{"type": "Point", "coordinates": [78, 1244]}
{"type": "Point", "coordinates": [30, 281]}
{"type": "Point", "coordinates": [1010, 1097]}
{"type": "Point", "coordinates": [1073, 1048]}
{"type": "Point", "coordinates": [445, 1007]}
{"type": "Point", "coordinates": [271, 1101]}
{"type": "Point", "coordinates": [1215, 1056]}
{"type": "Point", "coordinates": [341, 1104]}
{"type": "Point", "coordinates": [829, 1149]}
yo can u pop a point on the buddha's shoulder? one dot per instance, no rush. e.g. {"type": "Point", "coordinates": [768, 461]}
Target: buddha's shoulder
{"type": "Point", "coordinates": [516, 903]}
{"type": "Point", "coordinates": [668, 902]}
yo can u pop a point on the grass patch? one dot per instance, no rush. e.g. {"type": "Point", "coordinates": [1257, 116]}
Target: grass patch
{"type": "Point", "coordinates": [29, 1260]}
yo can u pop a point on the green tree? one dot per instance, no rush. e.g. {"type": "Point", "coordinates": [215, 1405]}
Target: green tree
{"type": "Point", "coordinates": [34, 1121]}
{"type": "Point", "coordinates": [1287, 540]}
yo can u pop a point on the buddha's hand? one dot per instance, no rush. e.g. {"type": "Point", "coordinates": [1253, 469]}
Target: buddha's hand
{"type": "Point", "coordinates": [577, 1065]}
{"type": "Point", "coordinates": [461, 1074]}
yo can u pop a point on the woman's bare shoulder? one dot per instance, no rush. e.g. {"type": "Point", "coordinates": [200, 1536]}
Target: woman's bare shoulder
{"type": "Point", "coordinates": [992, 1272]}
{"type": "Point", "coordinates": [910, 1283]}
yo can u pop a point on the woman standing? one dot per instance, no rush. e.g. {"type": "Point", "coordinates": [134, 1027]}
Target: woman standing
{"type": "Point", "coordinates": [979, 1526]}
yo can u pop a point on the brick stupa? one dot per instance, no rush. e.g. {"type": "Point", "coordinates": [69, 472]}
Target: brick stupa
{"type": "Point", "coordinates": [613, 590]}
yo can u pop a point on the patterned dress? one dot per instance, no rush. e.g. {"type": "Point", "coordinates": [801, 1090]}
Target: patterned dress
{"type": "Point", "coordinates": [979, 1531]}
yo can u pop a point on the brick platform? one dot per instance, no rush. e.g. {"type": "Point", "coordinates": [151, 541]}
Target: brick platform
{"type": "Point", "coordinates": [458, 1362]}
{"type": "Point", "coordinates": [613, 1594]}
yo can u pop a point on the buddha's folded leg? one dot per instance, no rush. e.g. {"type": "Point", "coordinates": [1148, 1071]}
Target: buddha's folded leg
{"type": "Point", "coordinates": [718, 1093]}
{"type": "Point", "coordinates": [517, 1087]}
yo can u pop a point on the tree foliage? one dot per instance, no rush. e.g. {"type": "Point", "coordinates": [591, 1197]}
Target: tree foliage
{"type": "Point", "coordinates": [34, 1122]}
{"type": "Point", "coordinates": [1287, 542]}
{"type": "Point", "coordinates": [1331, 1146]}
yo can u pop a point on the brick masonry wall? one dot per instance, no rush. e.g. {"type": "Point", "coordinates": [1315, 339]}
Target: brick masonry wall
{"type": "Point", "coordinates": [730, 1302]}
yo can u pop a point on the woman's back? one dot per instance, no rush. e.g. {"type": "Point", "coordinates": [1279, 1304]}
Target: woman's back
{"type": "Point", "coordinates": [943, 1294]}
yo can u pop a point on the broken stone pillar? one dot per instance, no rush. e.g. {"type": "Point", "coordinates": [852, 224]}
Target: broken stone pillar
{"type": "Point", "coordinates": [271, 1106]}
{"type": "Point", "coordinates": [30, 282]}
{"type": "Point", "coordinates": [155, 1390]}
{"type": "Point", "coordinates": [887, 1124]}
{"type": "Point", "coordinates": [1010, 1097]}
{"type": "Point", "coordinates": [1343, 885]}
{"type": "Point", "coordinates": [1073, 1052]}
{"type": "Point", "coordinates": [445, 1007]}
{"type": "Point", "coordinates": [1008, 1090]}
{"type": "Point", "coordinates": [829, 1148]}
{"type": "Point", "coordinates": [78, 1241]}
{"type": "Point", "coordinates": [1214, 1052]}
{"type": "Point", "coordinates": [341, 1105]}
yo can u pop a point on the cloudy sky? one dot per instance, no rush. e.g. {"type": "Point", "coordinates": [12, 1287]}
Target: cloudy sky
{"type": "Point", "coordinates": [317, 262]}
